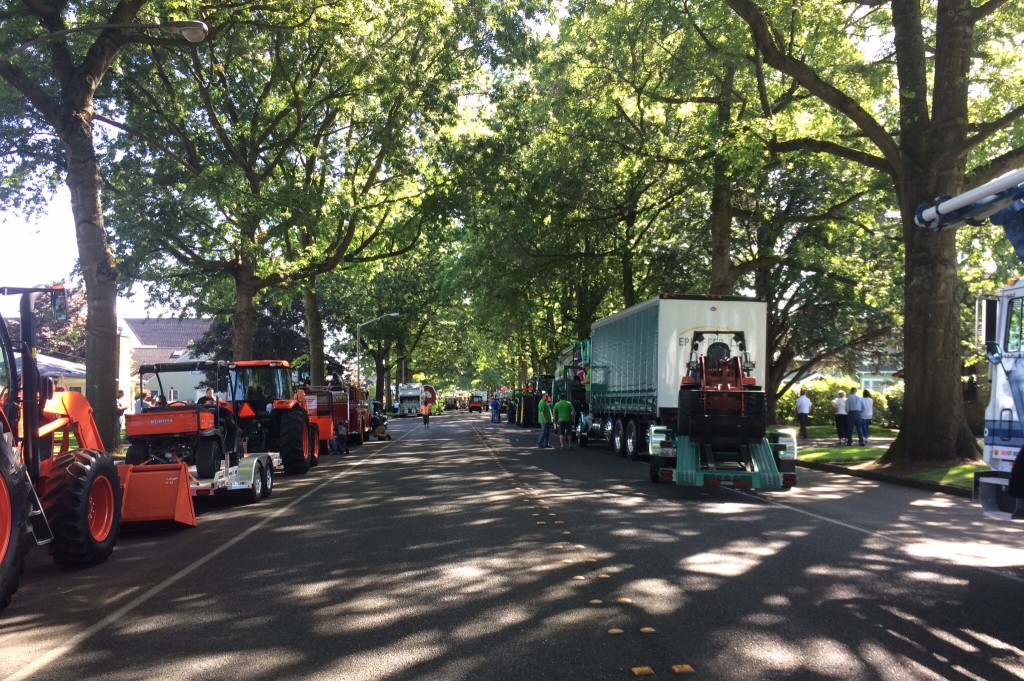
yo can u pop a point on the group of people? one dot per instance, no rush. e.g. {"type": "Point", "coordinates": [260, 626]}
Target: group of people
{"type": "Point", "coordinates": [561, 414]}
{"type": "Point", "coordinates": [853, 414]}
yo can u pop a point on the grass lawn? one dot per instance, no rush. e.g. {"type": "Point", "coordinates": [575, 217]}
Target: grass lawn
{"type": "Point", "coordinates": [956, 475]}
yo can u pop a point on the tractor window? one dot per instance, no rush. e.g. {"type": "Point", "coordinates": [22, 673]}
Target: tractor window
{"type": "Point", "coordinates": [1015, 325]}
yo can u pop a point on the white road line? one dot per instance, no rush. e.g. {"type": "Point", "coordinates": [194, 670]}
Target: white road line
{"type": "Point", "coordinates": [114, 617]}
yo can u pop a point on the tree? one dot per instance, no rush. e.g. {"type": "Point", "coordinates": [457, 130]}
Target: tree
{"type": "Point", "coordinates": [57, 89]}
{"type": "Point", "coordinates": [950, 123]}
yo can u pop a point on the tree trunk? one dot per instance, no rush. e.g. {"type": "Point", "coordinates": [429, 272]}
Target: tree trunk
{"type": "Point", "coordinates": [100, 276]}
{"type": "Point", "coordinates": [722, 282]}
{"type": "Point", "coordinates": [314, 332]}
{"type": "Point", "coordinates": [246, 316]}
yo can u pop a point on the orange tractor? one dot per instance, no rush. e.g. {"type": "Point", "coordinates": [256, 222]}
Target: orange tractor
{"type": "Point", "coordinates": [70, 499]}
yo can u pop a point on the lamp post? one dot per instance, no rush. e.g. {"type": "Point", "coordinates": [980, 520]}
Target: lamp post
{"type": "Point", "coordinates": [358, 380]}
{"type": "Point", "coordinates": [63, 94]}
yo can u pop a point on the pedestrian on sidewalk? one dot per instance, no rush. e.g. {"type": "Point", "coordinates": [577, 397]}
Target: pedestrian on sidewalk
{"type": "Point", "coordinates": [867, 412]}
{"type": "Point", "coordinates": [426, 415]}
{"type": "Point", "coordinates": [544, 418]}
{"type": "Point", "coordinates": [854, 403]}
{"type": "Point", "coordinates": [494, 411]}
{"type": "Point", "coordinates": [803, 412]}
{"type": "Point", "coordinates": [839, 408]}
{"type": "Point", "coordinates": [564, 415]}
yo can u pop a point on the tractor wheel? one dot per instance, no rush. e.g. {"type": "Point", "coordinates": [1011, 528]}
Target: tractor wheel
{"type": "Point", "coordinates": [293, 441]}
{"type": "Point", "coordinates": [137, 454]}
{"type": "Point", "coordinates": [13, 525]}
{"type": "Point", "coordinates": [255, 493]}
{"type": "Point", "coordinates": [268, 480]}
{"type": "Point", "coordinates": [619, 438]}
{"type": "Point", "coordinates": [83, 504]}
{"type": "Point", "coordinates": [314, 445]}
{"type": "Point", "coordinates": [208, 459]}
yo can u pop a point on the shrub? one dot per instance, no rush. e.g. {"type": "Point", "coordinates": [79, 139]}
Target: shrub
{"type": "Point", "coordinates": [890, 414]}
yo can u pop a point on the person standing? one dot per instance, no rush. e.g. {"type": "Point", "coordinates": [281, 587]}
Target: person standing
{"type": "Point", "coordinates": [494, 411]}
{"type": "Point", "coordinates": [425, 409]}
{"type": "Point", "coordinates": [839, 408]}
{"type": "Point", "coordinates": [854, 403]}
{"type": "Point", "coordinates": [803, 412]}
{"type": "Point", "coordinates": [866, 414]}
{"type": "Point", "coordinates": [544, 418]}
{"type": "Point", "coordinates": [122, 407]}
{"type": "Point", "coordinates": [564, 414]}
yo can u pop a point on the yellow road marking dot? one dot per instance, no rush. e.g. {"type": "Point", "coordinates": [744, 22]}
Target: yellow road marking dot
{"type": "Point", "coordinates": [682, 669]}
{"type": "Point", "coordinates": [559, 522]}
{"type": "Point", "coordinates": [624, 601]}
{"type": "Point", "coordinates": [535, 515]}
{"type": "Point", "coordinates": [647, 630]}
{"type": "Point", "coordinates": [578, 546]}
{"type": "Point", "coordinates": [578, 578]}
{"type": "Point", "coordinates": [590, 560]}
{"type": "Point", "coordinates": [596, 601]}
{"type": "Point", "coordinates": [604, 576]}
{"type": "Point", "coordinates": [642, 671]}
{"type": "Point", "coordinates": [567, 561]}
{"type": "Point", "coordinates": [567, 533]}
{"type": "Point", "coordinates": [542, 522]}
{"type": "Point", "coordinates": [615, 632]}
{"type": "Point", "coordinates": [558, 546]}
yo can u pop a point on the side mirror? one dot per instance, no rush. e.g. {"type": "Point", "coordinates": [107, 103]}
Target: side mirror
{"type": "Point", "coordinates": [993, 352]}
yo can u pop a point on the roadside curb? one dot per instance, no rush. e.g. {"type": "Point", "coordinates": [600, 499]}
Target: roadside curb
{"type": "Point", "coordinates": [884, 477]}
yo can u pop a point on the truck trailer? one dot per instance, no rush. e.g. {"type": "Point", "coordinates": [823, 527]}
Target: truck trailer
{"type": "Point", "coordinates": [412, 397]}
{"type": "Point", "coordinates": [676, 377]}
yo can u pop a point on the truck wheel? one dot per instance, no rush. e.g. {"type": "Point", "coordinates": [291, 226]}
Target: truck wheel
{"type": "Point", "coordinates": [137, 454]}
{"type": "Point", "coordinates": [582, 436]}
{"type": "Point", "coordinates": [314, 445]}
{"type": "Point", "coordinates": [633, 440]}
{"type": "Point", "coordinates": [607, 429]}
{"type": "Point", "coordinates": [208, 459]}
{"type": "Point", "coordinates": [255, 493]}
{"type": "Point", "coordinates": [13, 522]}
{"type": "Point", "coordinates": [619, 438]}
{"type": "Point", "coordinates": [294, 442]}
{"type": "Point", "coordinates": [268, 480]}
{"type": "Point", "coordinates": [83, 504]}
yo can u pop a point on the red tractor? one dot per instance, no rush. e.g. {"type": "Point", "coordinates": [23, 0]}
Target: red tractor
{"type": "Point", "coordinates": [70, 499]}
{"type": "Point", "coordinates": [272, 416]}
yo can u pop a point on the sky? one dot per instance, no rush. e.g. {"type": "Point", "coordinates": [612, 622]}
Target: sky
{"type": "Point", "coordinates": [43, 250]}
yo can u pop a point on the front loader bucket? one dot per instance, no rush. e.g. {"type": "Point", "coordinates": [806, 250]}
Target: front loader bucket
{"type": "Point", "coordinates": [157, 492]}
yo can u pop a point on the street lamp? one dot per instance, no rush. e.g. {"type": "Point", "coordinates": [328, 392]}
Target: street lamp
{"type": "Point", "coordinates": [358, 380]}
{"type": "Point", "coordinates": [191, 30]}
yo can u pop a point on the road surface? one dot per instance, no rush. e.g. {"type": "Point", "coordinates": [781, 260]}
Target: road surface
{"type": "Point", "coordinates": [461, 552]}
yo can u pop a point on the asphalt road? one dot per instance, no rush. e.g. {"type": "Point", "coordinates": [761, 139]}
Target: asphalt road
{"type": "Point", "coordinates": [461, 552]}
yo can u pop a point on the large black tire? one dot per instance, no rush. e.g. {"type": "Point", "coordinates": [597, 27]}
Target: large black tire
{"type": "Point", "coordinates": [82, 501]}
{"type": "Point", "coordinates": [634, 440]}
{"type": "Point", "coordinates": [294, 442]}
{"type": "Point", "coordinates": [209, 458]}
{"type": "Point", "coordinates": [619, 438]}
{"type": "Point", "coordinates": [268, 480]}
{"type": "Point", "coordinates": [137, 454]}
{"type": "Point", "coordinates": [13, 522]}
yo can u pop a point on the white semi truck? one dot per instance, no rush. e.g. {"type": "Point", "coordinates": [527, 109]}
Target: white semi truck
{"type": "Point", "coordinates": [1001, 489]}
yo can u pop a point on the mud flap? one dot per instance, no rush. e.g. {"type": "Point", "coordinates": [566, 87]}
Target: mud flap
{"type": "Point", "coordinates": [157, 492]}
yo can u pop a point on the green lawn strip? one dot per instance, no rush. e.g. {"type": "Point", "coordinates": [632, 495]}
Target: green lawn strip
{"type": "Point", "coordinates": [955, 475]}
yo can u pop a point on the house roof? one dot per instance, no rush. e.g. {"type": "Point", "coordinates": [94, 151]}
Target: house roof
{"type": "Point", "coordinates": [53, 367]}
{"type": "Point", "coordinates": [161, 332]}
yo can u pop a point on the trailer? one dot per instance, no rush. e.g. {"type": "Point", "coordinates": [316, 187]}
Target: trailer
{"type": "Point", "coordinates": [413, 396]}
{"type": "Point", "coordinates": [675, 377]}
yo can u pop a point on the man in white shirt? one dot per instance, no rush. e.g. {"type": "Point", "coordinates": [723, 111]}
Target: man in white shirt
{"type": "Point", "coordinates": [803, 411]}
{"type": "Point", "coordinates": [839, 407]}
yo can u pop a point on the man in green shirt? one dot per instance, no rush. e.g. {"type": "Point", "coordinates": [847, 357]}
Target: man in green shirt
{"type": "Point", "coordinates": [544, 417]}
{"type": "Point", "coordinates": [564, 414]}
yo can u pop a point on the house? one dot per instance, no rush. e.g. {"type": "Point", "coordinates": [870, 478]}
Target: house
{"type": "Point", "coordinates": [151, 340]}
{"type": "Point", "coordinates": [66, 375]}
